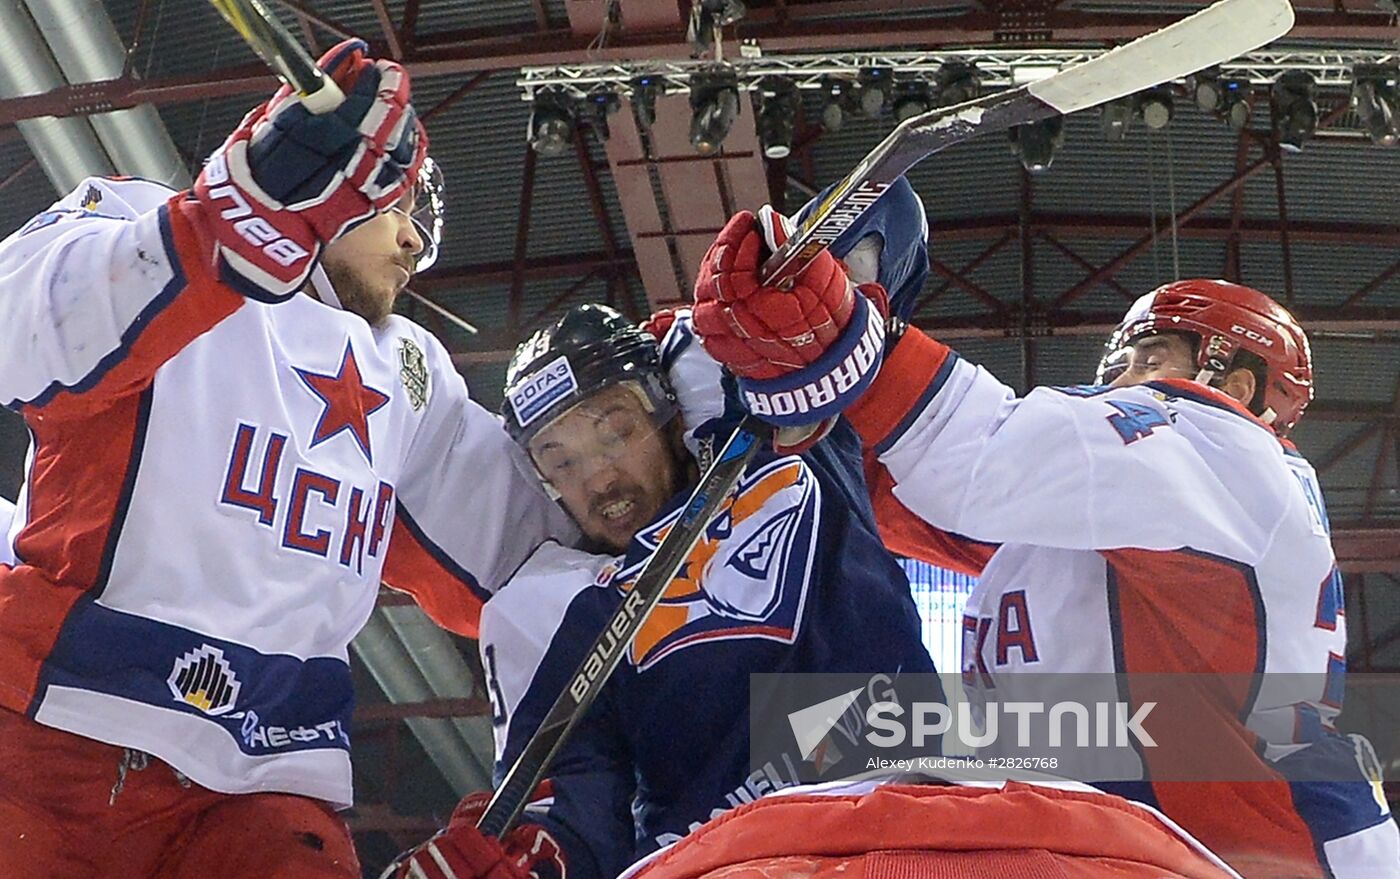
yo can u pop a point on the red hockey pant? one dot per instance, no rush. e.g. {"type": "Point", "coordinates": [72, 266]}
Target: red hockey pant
{"type": "Point", "coordinates": [58, 819]}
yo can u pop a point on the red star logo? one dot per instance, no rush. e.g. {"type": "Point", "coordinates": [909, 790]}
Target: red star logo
{"type": "Point", "coordinates": [348, 403]}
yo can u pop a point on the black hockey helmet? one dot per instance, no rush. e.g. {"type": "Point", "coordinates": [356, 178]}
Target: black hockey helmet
{"type": "Point", "coordinates": [590, 348]}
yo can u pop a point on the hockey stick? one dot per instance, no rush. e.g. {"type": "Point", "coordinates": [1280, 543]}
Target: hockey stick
{"type": "Point", "coordinates": [266, 36]}
{"type": "Point", "coordinates": [1212, 36]}
{"type": "Point", "coordinates": [587, 682]}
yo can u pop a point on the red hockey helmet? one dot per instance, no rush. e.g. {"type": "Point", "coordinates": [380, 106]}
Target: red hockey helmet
{"type": "Point", "coordinates": [1226, 318]}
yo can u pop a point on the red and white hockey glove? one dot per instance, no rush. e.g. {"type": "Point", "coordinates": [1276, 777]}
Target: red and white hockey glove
{"type": "Point", "coordinates": [800, 355]}
{"type": "Point", "coordinates": [287, 181]}
{"type": "Point", "coordinates": [460, 851]}
{"type": "Point", "coordinates": [659, 324]}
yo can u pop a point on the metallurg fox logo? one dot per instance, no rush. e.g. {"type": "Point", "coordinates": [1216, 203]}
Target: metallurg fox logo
{"type": "Point", "coordinates": [747, 576]}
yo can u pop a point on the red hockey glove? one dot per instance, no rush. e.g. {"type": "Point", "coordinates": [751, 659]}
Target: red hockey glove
{"type": "Point", "coordinates": [800, 355]}
{"type": "Point", "coordinates": [460, 851]}
{"type": "Point", "coordinates": [659, 324]}
{"type": "Point", "coordinates": [287, 181]}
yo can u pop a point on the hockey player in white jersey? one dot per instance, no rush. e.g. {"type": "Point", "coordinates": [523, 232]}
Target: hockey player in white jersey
{"type": "Point", "coordinates": [1153, 523]}
{"type": "Point", "coordinates": [230, 451]}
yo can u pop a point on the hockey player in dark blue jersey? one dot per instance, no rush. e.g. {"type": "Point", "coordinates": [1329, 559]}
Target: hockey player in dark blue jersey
{"type": "Point", "coordinates": [789, 577]}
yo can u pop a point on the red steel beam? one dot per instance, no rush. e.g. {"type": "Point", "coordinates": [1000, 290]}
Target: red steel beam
{"type": "Point", "coordinates": [600, 216]}
{"type": "Point", "coordinates": [459, 93]}
{"type": "Point", "coordinates": [1388, 436]}
{"type": "Point", "coordinates": [1233, 247]}
{"type": "Point", "coordinates": [1367, 547]}
{"type": "Point", "coordinates": [1082, 262]}
{"type": "Point", "coordinates": [557, 301]}
{"type": "Point", "coordinates": [1346, 447]}
{"type": "Point", "coordinates": [1283, 237]}
{"type": "Point", "coordinates": [393, 712]}
{"type": "Point", "coordinates": [386, 27]}
{"type": "Point", "coordinates": [371, 817]}
{"type": "Point", "coordinates": [306, 10]}
{"type": "Point", "coordinates": [1143, 244]}
{"type": "Point", "coordinates": [956, 278]}
{"type": "Point", "coordinates": [17, 173]}
{"type": "Point", "coordinates": [1092, 226]}
{"type": "Point", "coordinates": [522, 238]}
{"type": "Point", "coordinates": [1068, 322]}
{"type": "Point", "coordinates": [506, 47]}
{"type": "Point", "coordinates": [1373, 285]}
{"type": "Point", "coordinates": [968, 269]}
{"type": "Point", "coordinates": [408, 27]}
{"type": "Point", "coordinates": [1052, 322]}
{"type": "Point", "coordinates": [569, 265]}
{"type": "Point", "coordinates": [1365, 412]}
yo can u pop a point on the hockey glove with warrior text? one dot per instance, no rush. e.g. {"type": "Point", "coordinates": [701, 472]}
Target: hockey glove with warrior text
{"type": "Point", "coordinates": [460, 851]}
{"type": "Point", "coordinates": [801, 355]}
{"type": "Point", "coordinates": [287, 181]}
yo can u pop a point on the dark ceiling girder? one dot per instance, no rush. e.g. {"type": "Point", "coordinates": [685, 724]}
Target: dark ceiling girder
{"type": "Point", "coordinates": [569, 265]}
{"type": "Point", "coordinates": [1143, 244]}
{"type": "Point", "coordinates": [310, 13]}
{"type": "Point", "coordinates": [386, 27]}
{"type": "Point", "coordinates": [496, 347]}
{"type": "Point", "coordinates": [1366, 547]}
{"type": "Point", "coordinates": [522, 238]}
{"type": "Point", "coordinates": [1080, 261]}
{"type": "Point", "coordinates": [1374, 284]}
{"type": "Point", "coordinates": [995, 228]}
{"type": "Point", "coordinates": [18, 172]}
{"type": "Point", "coordinates": [1068, 322]}
{"type": "Point", "coordinates": [804, 30]}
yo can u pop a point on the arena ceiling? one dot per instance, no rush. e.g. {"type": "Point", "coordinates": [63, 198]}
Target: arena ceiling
{"type": "Point", "coordinates": [1030, 271]}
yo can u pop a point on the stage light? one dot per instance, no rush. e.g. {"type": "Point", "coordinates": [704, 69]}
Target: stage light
{"type": "Point", "coordinates": [1294, 109]}
{"type": "Point", "coordinates": [958, 83]}
{"type": "Point", "coordinates": [1375, 95]}
{"type": "Point", "coordinates": [777, 117]}
{"type": "Point", "coordinates": [912, 98]}
{"type": "Point", "coordinates": [1207, 90]}
{"type": "Point", "coordinates": [1158, 106]}
{"type": "Point", "coordinates": [645, 91]}
{"type": "Point", "coordinates": [873, 85]}
{"type": "Point", "coordinates": [1035, 143]}
{"type": "Point", "coordinates": [1237, 102]}
{"type": "Point", "coordinates": [1116, 118]}
{"type": "Point", "coordinates": [714, 102]}
{"type": "Point", "coordinates": [603, 105]}
{"type": "Point", "coordinates": [551, 127]}
{"type": "Point", "coordinates": [834, 92]}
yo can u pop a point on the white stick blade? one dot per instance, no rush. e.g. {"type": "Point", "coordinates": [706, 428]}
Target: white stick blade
{"type": "Point", "coordinates": [1216, 34]}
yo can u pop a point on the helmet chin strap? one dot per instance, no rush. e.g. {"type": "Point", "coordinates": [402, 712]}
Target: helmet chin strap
{"type": "Point", "coordinates": [1207, 378]}
{"type": "Point", "coordinates": [321, 284]}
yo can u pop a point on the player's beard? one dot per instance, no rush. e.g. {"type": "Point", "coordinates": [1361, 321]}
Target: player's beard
{"type": "Point", "coordinates": [356, 295]}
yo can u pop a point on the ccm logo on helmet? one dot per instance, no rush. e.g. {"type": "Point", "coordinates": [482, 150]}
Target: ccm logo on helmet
{"type": "Point", "coordinates": [816, 397]}
{"type": "Point", "coordinates": [255, 230]}
{"type": "Point", "coordinates": [1253, 336]}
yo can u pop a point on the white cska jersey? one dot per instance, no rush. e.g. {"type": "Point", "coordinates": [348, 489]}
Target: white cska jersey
{"type": "Point", "coordinates": [216, 488]}
{"type": "Point", "coordinates": [1153, 530]}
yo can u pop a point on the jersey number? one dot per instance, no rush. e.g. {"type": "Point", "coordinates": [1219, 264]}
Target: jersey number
{"type": "Point", "coordinates": [1134, 421]}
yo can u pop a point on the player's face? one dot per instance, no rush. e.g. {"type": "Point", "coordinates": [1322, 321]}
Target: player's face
{"type": "Point", "coordinates": [1158, 356]}
{"type": "Point", "coordinates": [611, 465]}
{"type": "Point", "coordinates": [371, 264]}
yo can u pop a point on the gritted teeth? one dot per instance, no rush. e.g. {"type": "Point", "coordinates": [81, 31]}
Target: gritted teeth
{"type": "Point", "coordinates": [616, 509]}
